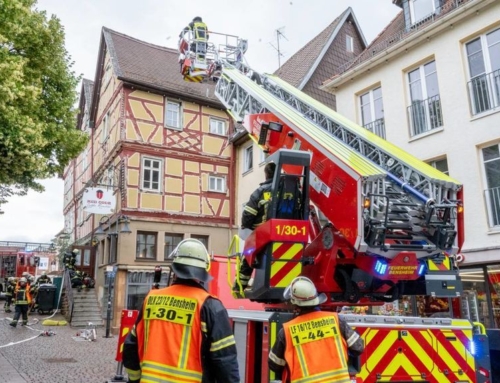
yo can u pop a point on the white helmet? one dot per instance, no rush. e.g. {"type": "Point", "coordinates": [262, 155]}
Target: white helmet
{"type": "Point", "coordinates": [23, 280]}
{"type": "Point", "coordinates": [302, 292]}
{"type": "Point", "coordinates": [191, 260]}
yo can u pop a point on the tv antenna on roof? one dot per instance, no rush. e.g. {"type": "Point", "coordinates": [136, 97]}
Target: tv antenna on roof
{"type": "Point", "coordinates": [279, 35]}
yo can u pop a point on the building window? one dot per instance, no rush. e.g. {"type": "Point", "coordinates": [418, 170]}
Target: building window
{"type": "Point", "coordinates": [422, 9]}
{"type": "Point", "coordinates": [84, 160]}
{"type": "Point", "coordinates": [145, 245]}
{"type": "Point", "coordinates": [139, 285]}
{"type": "Point", "coordinates": [248, 159]}
{"type": "Point", "coordinates": [349, 43]}
{"type": "Point", "coordinates": [217, 127]}
{"type": "Point", "coordinates": [372, 111]}
{"type": "Point", "coordinates": [263, 156]}
{"type": "Point", "coordinates": [151, 174]}
{"type": "Point", "coordinates": [105, 127]}
{"type": "Point", "coordinates": [425, 109]}
{"type": "Point", "coordinates": [217, 184]}
{"type": "Point", "coordinates": [171, 242]}
{"type": "Point", "coordinates": [202, 238]}
{"type": "Point", "coordinates": [107, 75]}
{"type": "Point", "coordinates": [441, 165]}
{"type": "Point", "coordinates": [491, 161]}
{"type": "Point", "coordinates": [483, 56]}
{"type": "Point", "coordinates": [173, 114]}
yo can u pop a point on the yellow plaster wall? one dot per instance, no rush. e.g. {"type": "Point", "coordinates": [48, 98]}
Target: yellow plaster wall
{"type": "Point", "coordinates": [192, 204]}
{"type": "Point", "coordinates": [205, 207]}
{"type": "Point", "coordinates": [133, 177]}
{"type": "Point", "coordinates": [215, 112]}
{"type": "Point", "coordinates": [131, 134]}
{"type": "Point", "coordinates": [225, 209]}
{"type": "Point", "coordinates": [173, 203]}
{"type": "Point", "coordinates": [227, 152]}
{"type": "Point", "coordinates": [139, 111]}
{"type": "Point", "coordinates": [222, 169]}
{"type": "Point", "coordinates": [156, 111]}
{"type": "Point", "coordinates": [134, 160]}
{"type": "Point", "coordinates": [212, 145]}
{"type": "Point", "coordinates": [193, 167]}
{"type": "Point", "coordinates": [186, 105]}
{"type": "Point", "coordinates": [132, 198]}
{"type": "Point", "coordinates": [157, 136]}
{"type": "Point", "coordinates": [173, 185]}
{"type": "Point", "coordinates": [191, 184]}
{"type": "Point", "coordinates": [145, 129]}
{"type": "Point", "coordinates": [147, 96]}
{"type": "Point", "coordinates": [173, 167]}
{"type": "Point", "coordinates": [191, 121]}
{"type": "Point", "coordinates": [204, 182]}
{"type": "Point", "coordinates": [151, 201]}
{"type": "Point", "coordinates": [214, 203]}
{"type": "Point", "coordinates": [207, 167]}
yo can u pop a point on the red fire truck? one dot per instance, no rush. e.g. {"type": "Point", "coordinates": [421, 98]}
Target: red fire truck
{"type": "Point", "coordinates": [393, 227]}
{"type": "Point", "coordinates": [17, 258]}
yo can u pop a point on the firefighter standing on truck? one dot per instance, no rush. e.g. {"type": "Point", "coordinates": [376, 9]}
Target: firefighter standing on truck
{"type": "Point", "coordinates": [255, 214]}
{"type": "Point", "coordinates": [182, 333]}
{"type": "Point", "coordinates": [313, 346]}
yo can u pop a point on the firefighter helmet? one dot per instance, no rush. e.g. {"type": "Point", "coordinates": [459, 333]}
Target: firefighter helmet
{"type": "Point", "coordinates": [23, 281]}
{"type": "Point", "coordinates": [197, 19]}
{"type": "Point", "coordinates": [302, 292]}
{"type": "Point", "coordinates": [191, 260]}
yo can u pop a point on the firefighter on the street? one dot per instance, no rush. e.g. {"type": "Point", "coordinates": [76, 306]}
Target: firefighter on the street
{"type": "Point", "coordinates": [314, 346]}
{"type": "Point", "coordinates": [43, 279]}
{"type": "Point", "coordinates": [182, 333]}
{"type": "Point", "coordinates": [9, 292]}
{"type": "Point", "coordinates": [23, 300]}
{"type": "Point", "coordinates": [255, 214]}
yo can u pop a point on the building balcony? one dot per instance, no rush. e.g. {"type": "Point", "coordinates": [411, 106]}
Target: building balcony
{"type": "Point", "coordinates": [377, 127]}
{"type": "Point", "coordinates": [484, 92]}
{"type": "Point", "coordinates": [425, 115]}
{"type": "Point", "coordinates": [492, 197]}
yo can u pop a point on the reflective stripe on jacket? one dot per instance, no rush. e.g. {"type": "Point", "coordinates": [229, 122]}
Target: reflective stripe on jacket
{"type": "Point", "coordinates": [315, 351]}
{"type": "Point", "coordinates": [171, 315]}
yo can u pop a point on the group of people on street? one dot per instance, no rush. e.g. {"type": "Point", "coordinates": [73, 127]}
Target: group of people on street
{"type": "Point", "coordinates": [183, 333]}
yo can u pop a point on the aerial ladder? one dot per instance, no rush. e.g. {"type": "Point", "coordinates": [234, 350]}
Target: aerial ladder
{"type": "Point", "coordinates": [363, 219]}
{"type": "Point", "coordinates": [394, 222]}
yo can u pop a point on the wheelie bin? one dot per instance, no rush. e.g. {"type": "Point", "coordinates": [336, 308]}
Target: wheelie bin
{"type": "Point", "coordinates": [45, 298]}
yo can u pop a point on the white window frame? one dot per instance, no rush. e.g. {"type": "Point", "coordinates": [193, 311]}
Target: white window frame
{"type": "Point", "coordinates": [492, 221]}
{"type": "Point", "coordinates": [262, 156]}
{"type": "Point", "coordinates": [248, 158]}
{"type": "Point", "coordinates": [493, 98]}
{"type": "Point", "coordinates": [371, 103]}
{"type": "Point", "coordinates": [110, 176]}
{"type": "Point", "coordinates": [425, 96]}
{"type": "Point", "coordinates": [107, 75]}
{"type": "Point", "coordinates": [349, 43]}
{"type": "Point", "coordinates": [434, 163]}
{"type": "Point", "coordinates": [217, 126]}
{"type": "Point", "coordinates": [152, 169]}
{"type": "Point", "coordinates": [178, 124]}
{"type": "Point", "coordinates": [216, 184]}
{"type": "Point", "coordinates": [412, 10]}
{"type": "Point", "coordinates": [84, 160]}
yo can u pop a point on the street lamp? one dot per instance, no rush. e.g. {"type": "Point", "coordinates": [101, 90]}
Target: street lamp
{"type": "Point", "coordinates": [101, 234]}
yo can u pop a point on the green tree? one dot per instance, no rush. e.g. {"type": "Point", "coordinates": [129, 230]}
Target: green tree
{"type": "Point", "coordinates": [38, 135]}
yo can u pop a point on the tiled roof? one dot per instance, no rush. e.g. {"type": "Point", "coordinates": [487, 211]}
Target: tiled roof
{"type": "Point", "coordinates": [295, 69]}
{"type": "Point", "coordinates": [152, 65]}
{"type": "Point", "coordinates": [396, 32]}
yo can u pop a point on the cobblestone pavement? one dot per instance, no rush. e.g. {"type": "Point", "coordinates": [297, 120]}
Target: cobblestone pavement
{"type": "Point", "coordinates": [54, 359]}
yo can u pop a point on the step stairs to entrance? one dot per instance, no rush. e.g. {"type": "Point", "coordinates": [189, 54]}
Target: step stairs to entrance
{"type": "Point", "coordinates": [86, 308]}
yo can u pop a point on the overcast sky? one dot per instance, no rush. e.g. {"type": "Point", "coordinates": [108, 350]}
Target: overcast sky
{"type": "Point", "coordinates": [38, 217]}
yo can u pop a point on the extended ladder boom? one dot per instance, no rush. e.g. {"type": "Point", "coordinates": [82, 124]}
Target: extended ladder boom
{"type": "Point", "coordinates": [412, 206]}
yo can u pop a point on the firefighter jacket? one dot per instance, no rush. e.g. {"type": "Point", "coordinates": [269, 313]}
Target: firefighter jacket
{"type": "Point", "coordinates": [313, 348]}
{"type": "Point", "coordinates": [22, 295]}
{"type": "Point", "coordinates": [200, 31]}
{"type": "Point", "coordinates": [255, 211]}
{"type": "Point", "coordinates": [181, 334]}
{"type": "Point", "coordinates": [10, 290]}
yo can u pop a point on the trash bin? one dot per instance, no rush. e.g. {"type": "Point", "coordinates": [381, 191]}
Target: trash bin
{"type": "Point", "coordinates": [45, 298]}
